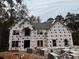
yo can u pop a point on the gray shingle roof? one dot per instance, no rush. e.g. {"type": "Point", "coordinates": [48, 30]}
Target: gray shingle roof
{"type": "Point", "coordinates": [42, 26]}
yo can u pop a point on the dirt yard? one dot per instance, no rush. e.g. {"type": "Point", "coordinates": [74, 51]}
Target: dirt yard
{"type": "Point", "coordinates": [20, 55]}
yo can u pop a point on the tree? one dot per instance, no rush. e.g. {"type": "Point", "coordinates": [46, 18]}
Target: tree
{"type": "Point", "coordinates": [70, 18]}
{"type": "Point", "coordinates": [19, 1]}
{"type": "Point", "coordinates": [22, 11]}
{"type": "Point", "coordinates": [50, 20]}
{"type": "Point", "coordinates": [59, 17]}
{"type": "Point", "coordinates": [3, 18]}
{"type": "Point", "coordinates": [8, 16]}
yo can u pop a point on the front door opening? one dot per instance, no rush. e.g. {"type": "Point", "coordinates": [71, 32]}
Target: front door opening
{"type": "Point", "coordinates": [26, 43]}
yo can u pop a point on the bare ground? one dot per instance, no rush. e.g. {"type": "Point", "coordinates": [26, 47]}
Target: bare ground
{"type": "Point", "coordinates": [20, 55]}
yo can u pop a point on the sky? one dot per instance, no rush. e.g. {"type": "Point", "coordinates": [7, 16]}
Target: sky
{"type": "Point", "coordinates": [51, 8]}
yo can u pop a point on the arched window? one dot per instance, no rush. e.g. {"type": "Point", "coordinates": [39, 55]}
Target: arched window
{"type": "Point", "coordinates": [66, 42]}
{"type": "Point", "coordinates": [27, 31]}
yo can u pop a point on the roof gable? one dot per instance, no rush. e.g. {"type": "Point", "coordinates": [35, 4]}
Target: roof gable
{"type": "Point", "coordinates": [62, 24]}
{"type": "Point", "coordinates": [19, 23]}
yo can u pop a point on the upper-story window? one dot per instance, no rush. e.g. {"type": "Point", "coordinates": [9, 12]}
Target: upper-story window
{"type": "Point", "coordinates": [15, 32]}
{"type": "Point", "coordinates": [27, 31]}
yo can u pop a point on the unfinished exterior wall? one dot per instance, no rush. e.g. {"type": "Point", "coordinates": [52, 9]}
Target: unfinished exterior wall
{"type": "Point", "coordinates": [23, 36]}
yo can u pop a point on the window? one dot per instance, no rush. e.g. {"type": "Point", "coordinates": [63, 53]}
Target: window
{"type": "Point", "coordinates": [40, 43]}
{"type": "Point", "coordinates": [15, 43]}
{"type": "Point", "coordinates": [54, 43]}
{"type": "Point", "coordinates": [27, 31]}
{"type": "Point", "coordinates": [65, 42]}
{"type": "Point", "coordinates": [16, 32]}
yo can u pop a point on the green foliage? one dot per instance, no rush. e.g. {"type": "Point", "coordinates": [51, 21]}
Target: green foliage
{"type": "Point", "coordinates": [19, 1]}
{"type": "Point", "coordinates": [59, 17]}
{"type": "Point", "coordinates": [7, 18]}
{"type": "Point", "coordinates": [10, 2]}
{"type": "Point", "coordinates": [75, 37]}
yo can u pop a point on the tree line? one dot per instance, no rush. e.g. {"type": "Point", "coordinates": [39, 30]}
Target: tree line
{"type": "Point", "coordinates": [10, 13]}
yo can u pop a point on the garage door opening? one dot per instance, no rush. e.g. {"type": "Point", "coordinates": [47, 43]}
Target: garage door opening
{"type": "Point", "coordinates": [26, 43]}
